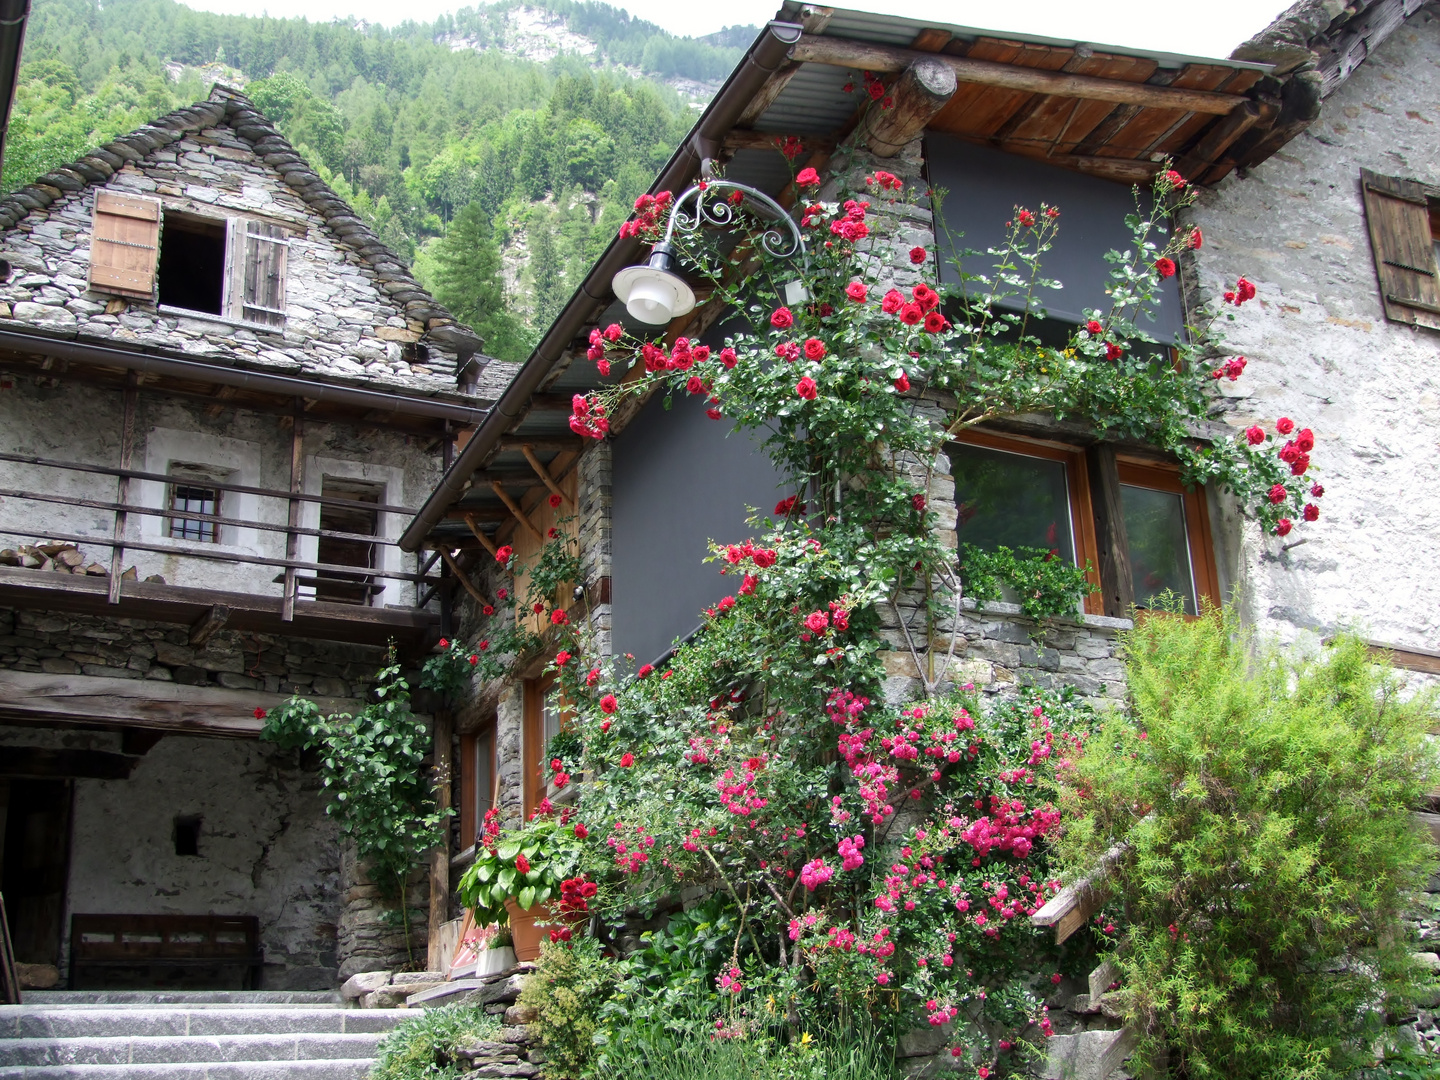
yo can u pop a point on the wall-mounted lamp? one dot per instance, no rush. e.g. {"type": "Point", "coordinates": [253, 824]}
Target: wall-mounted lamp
{"type": "Point", "coordinates": [654, 294]}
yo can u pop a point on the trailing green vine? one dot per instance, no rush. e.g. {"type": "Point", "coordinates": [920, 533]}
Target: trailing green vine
{"type": "Point", "coordinates": [1046, 586]}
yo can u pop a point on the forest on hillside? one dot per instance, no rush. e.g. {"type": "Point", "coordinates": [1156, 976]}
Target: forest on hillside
{"type": "Point", "coordinates": [499, 178]}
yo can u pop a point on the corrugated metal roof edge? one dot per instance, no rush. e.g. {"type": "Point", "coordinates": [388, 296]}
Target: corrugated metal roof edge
{"type": "Point", "coordinates": [790, 12]}
{"type": "Point", "coordinates": [767, 54]}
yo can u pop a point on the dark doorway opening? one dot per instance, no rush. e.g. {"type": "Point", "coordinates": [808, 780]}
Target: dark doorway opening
{"type": "Point", "coordinates": [192, 263]}
{"type": "Point", "coordinates": [348, 550]}
{"type": "Point", "coordinates": [36, 865]}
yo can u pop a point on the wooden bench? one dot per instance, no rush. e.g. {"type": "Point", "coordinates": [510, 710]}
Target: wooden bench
{"type": "Point", "coordinates": [149, 945]}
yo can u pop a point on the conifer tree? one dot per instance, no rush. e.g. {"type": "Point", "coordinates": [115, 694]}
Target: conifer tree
{"type": "Point", "coordinates": [468, 282]}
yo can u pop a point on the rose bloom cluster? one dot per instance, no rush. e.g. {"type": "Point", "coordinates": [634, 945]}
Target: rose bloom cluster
{"type": "Point", "coordinates": [649, 211]}
{"type": "Point", "coordinates": [1295, 453]}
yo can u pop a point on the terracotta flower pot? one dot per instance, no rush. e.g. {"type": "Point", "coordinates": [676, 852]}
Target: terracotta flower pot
{"type": "Point", "coordinates": [524, 931]}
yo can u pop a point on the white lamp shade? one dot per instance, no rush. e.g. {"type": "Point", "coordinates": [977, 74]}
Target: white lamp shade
{"type": "Point", "coordinates": [653, 296]}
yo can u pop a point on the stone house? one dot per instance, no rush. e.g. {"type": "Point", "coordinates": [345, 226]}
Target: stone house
{"type": "Point", "coordinates": [221, 399]}
{"type": "Point", "coordinates": [992, 121]}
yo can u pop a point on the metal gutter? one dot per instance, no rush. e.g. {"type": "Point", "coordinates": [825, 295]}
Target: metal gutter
{"type": "Point", "coordinates": [380, 401]}
{"type": "Point", "coordinates": [13, 16]}
{"type": "Point", "coordinates": [767, 55]}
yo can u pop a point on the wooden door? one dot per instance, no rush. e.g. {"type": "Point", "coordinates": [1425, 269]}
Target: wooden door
{"type": "Point", "coordinates": [36, 867]}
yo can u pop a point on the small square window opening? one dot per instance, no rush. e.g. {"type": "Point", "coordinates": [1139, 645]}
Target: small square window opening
{"type": "Point", "coordinates": [187, 836]}
{"type": "Point", "coordinates": [194, 498]}
{"type": "Point", "coordinates": [192, 263]}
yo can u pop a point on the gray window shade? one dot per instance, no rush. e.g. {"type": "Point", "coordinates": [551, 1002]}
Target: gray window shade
{"type": "Point", "coordinates": [983, 186]}
{"type": "Point", "coordinates": [680, 480]}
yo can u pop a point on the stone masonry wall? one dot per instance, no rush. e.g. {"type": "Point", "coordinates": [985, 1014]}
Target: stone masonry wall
{"type": "Point", "coordinates": [1322, 352]}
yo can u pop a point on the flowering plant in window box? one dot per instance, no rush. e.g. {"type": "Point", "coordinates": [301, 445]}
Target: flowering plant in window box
{"type": "Point", "coordinates": [527, 867]}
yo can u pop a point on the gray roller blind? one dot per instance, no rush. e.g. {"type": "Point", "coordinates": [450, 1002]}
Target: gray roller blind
{"type": "Point", "coordinates": [680, 479]}
{"type": "Point", "coordinates": [982, 188]}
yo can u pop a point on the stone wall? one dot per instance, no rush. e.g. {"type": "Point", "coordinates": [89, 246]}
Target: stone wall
{"type": "Point", "coordinates": [63, 643]}
{"type": "Point", "coordinates": [1321, 351]}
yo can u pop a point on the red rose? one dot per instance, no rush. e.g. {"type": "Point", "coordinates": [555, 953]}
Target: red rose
{"type": "Point", "coordinates": [580, 831]}
{"type": "Point", "coordinates": [925, 296]}
{"type": "Point", "coordinates": [537, 607]}
{"type": "Point", "coordinates": [503, 555]}
{"type": "Point", "coordinates": [935, 322]}
{"type": "Point", "coordinates": [782, 318]}
{"type": "Point", "coordinates": [260, 713]}
{"type": "Point", "coordinates": [727, 357]}
{"type": "Point", "coordinates": [608, 704]}
{"type": "Point", "coordinates": [1299, 465]}
{"type": "Point", "coordinates": [808, 178]}
{"type": "Point", "coordinates": [1113, 351]}
{"type": "Point", "coordinates": [1165, 267]}
{"type": "Point", "coordinates": [892, 302]}
{"type": "Point", "coordinates": [713, 414]}
{"type": "Point", "coordinates": [484, 645]}
{"type": "Point", "coordinates": [747, 587]}
{"type": "Point", "coordinates": [1283, 527]}
{"type": "Point", "coordinates": [555, 501]}
{"type": "Point", "coordinates": [814, 349]}
{"type": "Point", "coordinates": [1305, 440]}
{"type": "Point", "coordinates": [556, 764]}
{"type": "Point", "coordinates": [613, 332]}
{"type": "Point", "coordinates": [807, 389]}
{"type": "Point", "coordinates": [764, 557]}
{"type": "Point", "coordinates": [474, 659]}
{"type": "Point", "coordinates": [1316, 491]}
{"type": "Point", "coordinates": [1311, 512]}
{"type": "Point", "coordinates": [1284, 425]}
{"type": "Point", "coordinates": [695, 385]}
{"type": "Point", "coordinates": [444, 643]}
{"type": "Point", "coordinates": [902, 383]}
{"type": "Point", "coordinates": [562, 658]}
{"type": "Point", "coordinates": [856, 291]}
{"type": "Point", "coordinates": [1026, 218]}
{"type": "Point", "coordinates": [911, 314]}
{"type": "Point", "coordinates": [645, 669]}
{"type": "Point", "coordinates": [558, 618]}
{"type": "Point", "coordinates": [1196, 239]}
{"type": "Point", "coordinates": [1093, 327]}
{"type": "Point", "coordinates": [627, 759]}
{"type": "Point", "coordinates": [1277, 494]}
{"type": "Point", "coordinates": [1175, 180]}
{"type": "Point", "coordinates": [784, 506]}
{"type": "Point", "coordinates": [918, 501]}
{"type": "Point", "coordinates": [1254, 435]}
{"type": "Point", "coordinates": [817, 621]}
{"type": "Point", "coordinates": [917, 255]}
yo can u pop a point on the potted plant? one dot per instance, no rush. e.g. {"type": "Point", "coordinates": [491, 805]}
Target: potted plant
{"type": "Point", "coordinates": [512, 881]}
{"type": "Point", "coordinates": [497, 952]}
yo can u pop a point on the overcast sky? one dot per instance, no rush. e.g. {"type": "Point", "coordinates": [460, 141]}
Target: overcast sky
{"type": "Point", "coordinates": [1211, 28]}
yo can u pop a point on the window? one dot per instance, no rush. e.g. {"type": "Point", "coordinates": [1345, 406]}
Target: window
{"type": "Point", "coordinates": [1167, 536]}
{"type": "Point", "coordinates": [477, 781]}
{"type": "Point", "coordinates": [1400, 215]}
{"type": "Point", "coordinates": [226, 267]}
{"type": "Point", "coordinates": [545, 715]}
{"type": "Point", "coordinates": [1150, 538]}
{"type": "Point", "coordinates": [346, 526]}
{"type": "Point", "coordinates": [194, 499]}
{"type": "Point", "coordinates": [1023, 493]}
{"type": "Point", "coordinates": [192, 263]}
{"type": "Point", "coordinates": [187, 836]}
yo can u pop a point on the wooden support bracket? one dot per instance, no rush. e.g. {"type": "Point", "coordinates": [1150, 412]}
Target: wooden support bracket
{"type": "Point", "coordinates": [920, 92]}
{"type": "Point", "coordinates": [455, 569]}
{"type": "Point", "coordinates": [206, 626]}
{"type": "Point", "coordinates": [485, 541]}
{"type": "Point", "coordinates": [544, 474]}
{"type": "Point", "coordinates": [1070, 908]}
{"type": "Point", "coordinates": [514, 508]}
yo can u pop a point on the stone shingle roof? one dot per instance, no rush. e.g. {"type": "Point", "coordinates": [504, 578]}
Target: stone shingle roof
{"type": "Point", "coordinates": [232, 108]}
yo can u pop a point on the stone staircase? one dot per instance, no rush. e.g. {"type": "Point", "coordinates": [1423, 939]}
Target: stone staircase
{"type": "Point", "coordinates": [197, 1035]}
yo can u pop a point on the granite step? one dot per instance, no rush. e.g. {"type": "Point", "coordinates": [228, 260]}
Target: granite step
{"type": "Point", "coordinates": [69, 1022]}
{"type": "Point", "coordinates": [339, 1069]}
{"type": "Point", "coordinates": [166, 1049]}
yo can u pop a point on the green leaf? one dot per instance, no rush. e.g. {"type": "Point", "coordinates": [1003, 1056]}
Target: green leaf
{"type": "Point", "coordinates": [526, 897]}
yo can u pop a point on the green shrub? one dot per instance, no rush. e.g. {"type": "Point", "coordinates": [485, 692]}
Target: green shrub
{"type": "Point", "coordinates": [828, 1056]}
{"type": "Point", "coordinates": [1264, 801]}
{"type": "Point", "coordinates": [569, 984]}
{"type": "Point", "coordinates": [425, 1046]}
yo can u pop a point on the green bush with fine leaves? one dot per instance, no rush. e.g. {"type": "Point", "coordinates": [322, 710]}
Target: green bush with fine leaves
{"type": "Point", "coordinates": [1263, 800]}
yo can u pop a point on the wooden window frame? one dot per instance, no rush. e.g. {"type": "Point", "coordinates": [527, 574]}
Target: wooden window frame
{"type": "Point", "coordinates": [477, 772]}
{"type": "Point", "coordinates": [532, 741]}
{"type": "Point", "coordinates": [1077, 479]}
{"type": "Point", "coordinates": [1158, 476]}
{"type": "Point", "coordinates": [185, 524]}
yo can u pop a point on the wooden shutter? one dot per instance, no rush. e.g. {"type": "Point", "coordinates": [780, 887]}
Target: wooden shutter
{"type": "Point", "coordinates": [262, 284]}
{"type": "Point", "coordinates": [124, 244]}
{"type": "Point", "coordinates": [1398, 214]}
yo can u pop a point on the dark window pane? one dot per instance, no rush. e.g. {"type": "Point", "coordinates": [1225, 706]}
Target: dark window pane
{"type": "Point", "coordinates": [1011, 500]}
{"type": "Point", "coordinates": [194, 500]}
{"type": "Point", "coordinates": [1159, 545]}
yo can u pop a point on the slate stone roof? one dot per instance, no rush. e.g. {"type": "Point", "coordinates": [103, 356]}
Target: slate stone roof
{"type": "Point", "coordinates": [414, 312]}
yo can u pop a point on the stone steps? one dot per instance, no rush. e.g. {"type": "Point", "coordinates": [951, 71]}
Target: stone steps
{"type": "Point", "coordinates": [193, 1036]}
{"type": "Point", "coordinates": [312, 998]}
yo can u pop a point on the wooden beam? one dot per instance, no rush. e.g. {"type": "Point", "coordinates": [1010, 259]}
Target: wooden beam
{"type": "Point", "coordinates": [206, 626]}
{"type": "Point", "coordinates": [170, 707]}
{"type": "Point", "coordinates": [470, 586]}
{"type": "Point", "coordinates": [138, 743]}
{"type": "Point", "coordinates": [440, 857]}
{"type": "Point", "coordinates": [920, 92]}
{"type": "Point", "coordinates": [122, 494]}
{"type": "Point", "coordinates": [1070, 908]}
{"type": "Point", "coordinates": [292, 539]}
{"type": "Point", "coordinates": [43, 761]}
{"type": "Point", "coordinates": [1220, 135]}
{"type": "Point", "coordinates": [563, 442]}
{"type": "Point", "coordinates": [773, 87]}
{"type": "Point", "coordinates": [485, 541]}
{"type": "Point", "coordinates": [843, 52]}
{"type": "Point", "coordinates": [545, 476]}
{"type": "Point", "coordinates": [514, 508]}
